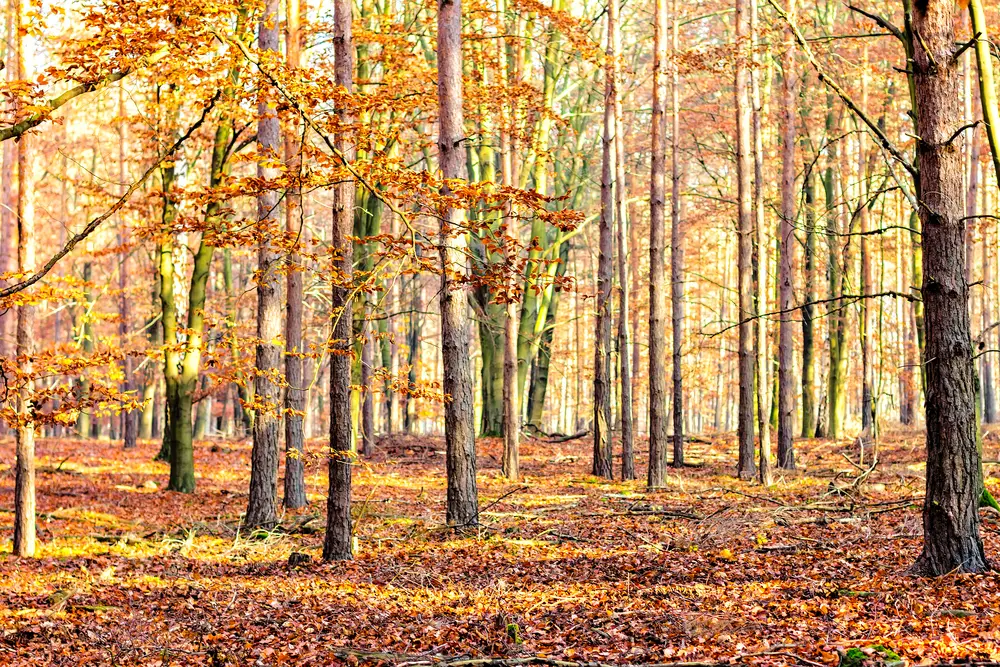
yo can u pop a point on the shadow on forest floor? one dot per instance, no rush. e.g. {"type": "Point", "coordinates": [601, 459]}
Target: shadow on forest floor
{"type": "Point", "coordinates": [564, 565]}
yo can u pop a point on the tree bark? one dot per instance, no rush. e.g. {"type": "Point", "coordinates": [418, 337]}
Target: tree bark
{"type": "Point", "coordinates": [786, 261]}
{"type": "Point", "coordinates": [954, 468]}
{"type": "Point", "coordinates": [657, 242]}
{"type": "Point", "coordinates": [867, 319]}
{"type": "Point", "coordinates": [129, 418]}
{"type": "Point", "coordinates": [460, 443]}
{"type": "Point", "coordinates": [510, 464]}
{"type": "Point", "coordinates": [262, 506]}
{"type": "Point", "coordinates": [7, 203]}
{"type": "Point", "coordinates": [746, 468]}
{"type": "Point", "coordinates": [295, 393]}
{"type": "Point", "coordinates": [762, 347]}
{"type": "Point", "coordinates": [676, 249]}
{"type": "Point", "coordinates": [621, 212]}
{"type": "Point", "coordinates": [338, 543]}
{"type": "Point", "coordinates": [24, 464]}
{"type": "Point", "coordinates": [602, 463]}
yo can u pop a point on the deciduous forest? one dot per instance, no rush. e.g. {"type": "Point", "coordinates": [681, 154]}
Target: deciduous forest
{"type": "Point", "coordinates": [490, 333]}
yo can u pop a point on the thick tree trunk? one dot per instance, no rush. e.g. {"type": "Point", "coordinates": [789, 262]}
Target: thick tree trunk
{"type": "Point", "coordinates": [338, 543]}
{"type": "Point", "coordinates": [657, 242]}
{"type": "Point", "coordinates": [954, 468]}
{"type": "Point", "coordinates": [746, 468]}
{"type": "Point", "coordinates": [602, 463]}
{"type": "Point", "coordinates": [295, 392]}
{"type": "Point", "coordinates": [786, 260]}
{"type": "Point", "coordinates": [459, 431]}
{"type": "Point", "coordinates": [262, 506]}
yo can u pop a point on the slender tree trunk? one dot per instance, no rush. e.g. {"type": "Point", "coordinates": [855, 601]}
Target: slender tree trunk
{"type": "Point", "coordinates": [24, 464]}
{"type": "Point", "coordinates": [763, 348]}
{"type": "Point", "coordinates": [84, 423]}
{"type": "Point", "coordinates": [129, 418]}
{"type": "Point", "coordinates": [460, 443]}
{"type": "Point", "coordinates": [657, 251]}
{"type": "Point", "coordinates": [621, 210]}
{"type": "Point", "coordinates": [809, 250]}
{"type": "Point", "coordinates": [7, 203]}
{"type": "Point", "coordinates": [338, 543]}
{"type": "Point", "coordinates": [295, 392]}
{"type": "Point", "coordinates": [676, 249]}
{"type": "Point", "coordinates": [746, 468]}
{"type": "Point", "coordinates": [836, 396]}
{"type": "Point", "coordinates": [415, 327]}
{"type": "Point", "coordinates": [867, 315]}
{"type": "Point", "coordinates": [602, 463]}
{"type": "Point", "coordinates": [986, 374]}
{"type": "Point", "coordinates": [954, 468]}
{"type": "Point", "coordinates": [786, 261]}
{"type": "Point", "coordinates": [262, 506]}
{"type": "Point", "coordinates": [511, 403]}
{"type": "Point", "coordinates": [367, 396]}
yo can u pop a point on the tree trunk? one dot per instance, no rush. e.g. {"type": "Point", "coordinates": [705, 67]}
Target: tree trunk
{"type": "Point", "coordinates": [24, 464]}
{"type": "Point", "coordinates": [621, 211]}
{"type": "Point", "coordinates": [676, 250]}
{"type": "Point", "coordinates": [459, 432]}
{"type": "Point", "coordinates": [84, 423]}
{"type": "Point", "coordinates": [338, 543]}
{"type": "Point", "coordinates": [262, 506]}
{"type": "Point", "coordinates": [510, 464]}
{"type": "Point", "coordinates": [809, 250]}
{"type": "Point", "coordinates": [657, 242]}
{"type": "Point", "coordinates": [295, 393]}
{"type": "Point", "coordinates": [954, 468]}
{"type": "Point", "coordinates": [540, 367]}
{"type": "Point", "coordinates": [746, 468]}
{"type": "Point", "coordinates": [367, 395]}
{"type": "Point", "coordinates": [415, 327]}
{"type": "Point", "coordinates": [602, 463]}
{"type": "Point", "coordinates": [763, 347]}
{"type": "Point", "coordinates": [7, 205]}
{"type": "Point", "coordinates": [867, 316]}
{"type": "Point", "coordinates": [129, 419]}
{"type": "Point", "coordinates": [836, 393]}
{"type": "Point", "coordinates": [786, 260]}
{"type": "Point", "coordinates": [986, 374]}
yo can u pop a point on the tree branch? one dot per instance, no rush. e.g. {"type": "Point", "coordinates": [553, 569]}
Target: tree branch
{"type": "Point", "coordinates": [841, 93]}
{"type": "Point", "coordinates": [96, 222]}
{"type": "Point", "coordinates": [35, 119]}
{"type": "Point", "coordinates": [881, 21]}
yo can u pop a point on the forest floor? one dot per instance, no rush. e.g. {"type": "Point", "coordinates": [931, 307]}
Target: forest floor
{"type": "Point", "coordinates": [565, 565]}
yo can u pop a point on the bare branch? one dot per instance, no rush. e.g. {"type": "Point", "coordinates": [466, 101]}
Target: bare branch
{"type": "Point", "coordinates": [96, 222]}
{"type": "Point", "coordinates": [841, 93]}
